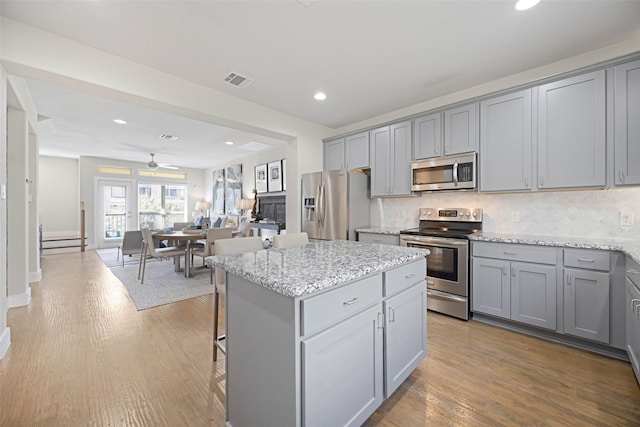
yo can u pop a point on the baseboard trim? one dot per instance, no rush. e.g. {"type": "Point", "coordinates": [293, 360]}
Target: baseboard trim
{"type": "Point", "coordinates": [5, 341]}
{"type": "Point", "coordinates": [19, 300]}
{"type": "Point", "coordinates": [35, 276]}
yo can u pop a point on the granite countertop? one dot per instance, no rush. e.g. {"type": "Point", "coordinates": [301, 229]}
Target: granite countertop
{"type": "Point", "coordinates": [628, 246]}
{"type": "Point", "coordinates": [381, 230]}
{"type": "Point", "coordinates": [304, 270]}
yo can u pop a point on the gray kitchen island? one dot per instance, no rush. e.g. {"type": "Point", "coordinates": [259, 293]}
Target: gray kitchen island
{"type": "Point", "coordinates": [320, 334]}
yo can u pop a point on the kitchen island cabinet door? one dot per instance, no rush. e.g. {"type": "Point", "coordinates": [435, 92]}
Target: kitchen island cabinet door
{"type": "Point", "coordinates": [342, 380]}
{"type": "Point", "coordinates": [571, 132]}
{"type": "Point", "coordinates": [586, 304]}
{"type": "Point", "coordinates": [627, 124]}
{"type": "Point", "coordinates": [461, 130]}
{"type": "Point", "coordinates": [491, 290]}
{"type": "Point", "coordinates": [505, 143]}
{"type": "Point", "coordinates": [334, 154]}
{"type": "Point", "coordinates": [533, 294]}
{"type": "Point", "coordinates": [406, 334]}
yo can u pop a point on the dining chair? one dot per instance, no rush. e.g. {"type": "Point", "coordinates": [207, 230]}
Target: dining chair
{"type": "Point", "coordinates": [149, 250]}
{"type": "Point", "coordinates": [131, 244]}
{"type": "Point", "coordinates": [290, 240]}
{"type": "Point", "coordinates": [213, 234]}
{"type": "Point", "coordinates": [227, 247]}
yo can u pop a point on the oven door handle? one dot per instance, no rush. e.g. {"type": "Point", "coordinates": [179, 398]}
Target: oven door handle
{"type": "Point", "coordinates": [434, 241]}
{"type": "Point", "coordinates": [442, 295]}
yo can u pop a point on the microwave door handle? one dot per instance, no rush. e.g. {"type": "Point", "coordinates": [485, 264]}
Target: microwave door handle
{"type": "Point", "coordinates": [455, 174]}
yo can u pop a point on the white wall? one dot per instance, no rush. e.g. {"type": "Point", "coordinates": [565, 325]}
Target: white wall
{"type": "Point", "coordinates": [59, 195]}
{"type": "Point", "coordinates": [592, 213]}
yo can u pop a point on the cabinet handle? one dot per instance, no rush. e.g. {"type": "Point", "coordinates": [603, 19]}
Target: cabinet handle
{"type": "Point", "coordinates": [380, 320]}
{"type": "Point", "coordinates": [392, 315]}
{"type": "Point", "coordinates": [436, 150]}
{"type": "Point", "coordinates": [504, 271]}
{"type": "Point", "coordinates": [542, 181]}
{"type": "Point", "coordinates": [410, 276]}
{"type": "Point", "coordinates": [446, 149]}
{"type": "Point", "coordinates": [633, 271]}
{"type": "Point", "coordinates": [585, 260]}
{"type": "Point", "coordinates": [351, 301]}
{"type": "Point", "coordinates": [513, 271]}
{"type": "Point", "coordinates": [510, 253]}
{"type": "Point", "coordinates": [621, 176]}
{"type": "Point", "coordinates": [526, 182]}
{"type": "Point", "coordinates": [568, 279]}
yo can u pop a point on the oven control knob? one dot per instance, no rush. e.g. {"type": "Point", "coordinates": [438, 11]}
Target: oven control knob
{"type": "Point", "coordinates": [429, 213]}
{"type": "Point", "coordinates": [475, 214]}
{"type": "Point", "coordinates": [468, 214]}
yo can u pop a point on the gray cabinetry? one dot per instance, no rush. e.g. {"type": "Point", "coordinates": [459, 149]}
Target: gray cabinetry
{"type": "Point", "coordinates": [382, 239]}
{"type": "Point", "coordinates": [587, 294]}
{"type": "Point", "coordinates": [571, 132]}
{"type": "Point", "coordinates": [633, 315]}
{"type": "Point", "coordinates": [505, 143]}
{"type": "Point", "coordinates": [627, 123]}
{"type": "Point", "coordinates": [333, 152]}
{"type": "Point", "coordinates": [461, 129]}
{"type": "Point", "coordinates": [505, 286]}
{"type": "Point", "coordinates": [357, 149]}
{"type": "Point", "coordinates": [391, 160]}
{"type": "Point", "coordinates": [427, 136]}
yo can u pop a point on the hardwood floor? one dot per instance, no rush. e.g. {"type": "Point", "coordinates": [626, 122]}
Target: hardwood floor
{"type": "Point", "coordinates": [82, 355]}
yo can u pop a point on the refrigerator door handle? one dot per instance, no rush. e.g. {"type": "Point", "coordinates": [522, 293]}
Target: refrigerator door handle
{"type": "Point", "coordinates": [318, 206]}
{"type": "Point", "coordinates": [323, 209]}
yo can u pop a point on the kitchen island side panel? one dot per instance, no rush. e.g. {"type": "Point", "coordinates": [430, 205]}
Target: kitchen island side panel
{"type": "Point", "coordinates": [263, 383]}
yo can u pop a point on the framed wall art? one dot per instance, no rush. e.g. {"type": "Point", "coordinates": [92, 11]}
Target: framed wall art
{"type": "Point", "coordinates": [274, 176]}
{"type": "Point", "coordinates": [232, 189]}
{"type": "Point", "coordinates": [261, 178]}
{"type": "Point", "coordinates": [218, 192]}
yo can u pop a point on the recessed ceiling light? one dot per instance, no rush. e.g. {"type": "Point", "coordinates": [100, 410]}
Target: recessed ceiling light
{"type": "Point", "coordinates": [168, 137]}
{"type": "Point", "coordinates": [229, 142]}
{"type": "Point", "coordinates": [320, 96]}
{"type": "Point", "coordinates": [526, 4]}
{"type": "Point", "coordinates": [120, 121]}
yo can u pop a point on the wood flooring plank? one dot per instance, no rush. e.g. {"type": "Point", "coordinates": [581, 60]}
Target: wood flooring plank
{"type": "Point", "coordinates": [81, 355]}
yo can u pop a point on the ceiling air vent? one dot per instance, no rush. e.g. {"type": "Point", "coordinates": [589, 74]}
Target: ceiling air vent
{"type": "Point", "coordinates": [237, 80]}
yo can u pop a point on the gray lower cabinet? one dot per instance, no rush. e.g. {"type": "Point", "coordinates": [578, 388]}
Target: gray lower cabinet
{"type": "Point", "coordinates": [391, 160]}
{"type": "Point", "coordinates": [633, 315]}
{"type": "Point", "coordinates": [521, 291]}
{"type": "Point", "coordinates": [587, 290]}
{"type": "Point", "coordinates": [333, 154]}
{"type": "Point", "coordinates": [627, 123]}
{"type": "Point", "coordinates": [379, 238]}
{"type": "Point", "coordinates": [572, 132]}
{"type": "Point", "coordinates": [342, 381]}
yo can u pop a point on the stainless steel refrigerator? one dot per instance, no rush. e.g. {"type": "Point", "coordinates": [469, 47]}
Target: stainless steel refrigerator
{"type": "Point", "coordinates": [334, 204]}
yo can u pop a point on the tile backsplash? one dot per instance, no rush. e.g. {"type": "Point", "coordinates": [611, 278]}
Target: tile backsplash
{"type": "Point", "coordinates": [594, 214]}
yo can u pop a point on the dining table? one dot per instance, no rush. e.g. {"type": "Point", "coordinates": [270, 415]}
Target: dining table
{"type": "Point", "coordinates": [188, 237]}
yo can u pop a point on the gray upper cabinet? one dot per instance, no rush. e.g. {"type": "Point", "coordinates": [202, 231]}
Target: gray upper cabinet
{"type": "Point", "coordinates": [391, 160]}
{"type": "Point", "coordinates": [427, 136]}
{"type": "Point", "coordinates": [571, 132]}
{"type": "Point", "coordinates": [627, 124]}
{"type": "Point", "coordinates": [461, 129]}
{"type": "Point", "coordinates": [505, 143]}
{"type": "Point", "coordinates": [357, 149]}
{"type": "Point", "coordinates": [334, 154]}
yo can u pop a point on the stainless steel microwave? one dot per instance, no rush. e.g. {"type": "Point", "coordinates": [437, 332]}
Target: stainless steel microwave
{"type": "Point", "coordinates": [444, 173]}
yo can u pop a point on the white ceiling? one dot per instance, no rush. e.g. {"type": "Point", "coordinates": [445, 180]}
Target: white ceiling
{"type": "Point", "coordinates": [370, 57]}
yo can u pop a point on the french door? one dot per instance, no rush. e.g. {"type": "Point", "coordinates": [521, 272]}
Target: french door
{"type": "Point", "coordinates": [114, 204]}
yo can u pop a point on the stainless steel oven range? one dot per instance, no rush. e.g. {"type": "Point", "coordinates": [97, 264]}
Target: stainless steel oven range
{"type": "Point", "coordinates": [445, 233]}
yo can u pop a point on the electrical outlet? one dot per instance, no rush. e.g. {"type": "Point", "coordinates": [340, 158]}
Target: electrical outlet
{"type": "Point", "coordinates": [626, 217]}
{"type": "Point", "coordinates": [515, 217]}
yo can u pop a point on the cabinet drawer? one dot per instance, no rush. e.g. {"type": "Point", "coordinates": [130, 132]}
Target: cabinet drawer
{"type": "Point", "coordinates": [592, 260]}
{"type": "Point", "coordinates": [527, 253]}
{"type": "Point", "coordinates": [404, 277]}
{"type": "Point", "coordinates": [383, 239]}
{"type": "Point", "coordinates": [322, 310]}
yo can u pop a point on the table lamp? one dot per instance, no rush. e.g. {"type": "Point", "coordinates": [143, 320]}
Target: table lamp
{"type": "Point", "coordinates": [243, 205]}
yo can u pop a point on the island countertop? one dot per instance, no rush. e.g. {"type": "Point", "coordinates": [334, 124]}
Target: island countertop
{"type": "Point", "coordinates": [319, 265]}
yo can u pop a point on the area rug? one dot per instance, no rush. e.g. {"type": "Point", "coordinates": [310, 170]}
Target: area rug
{"type": "Point", "coordinates": [162, 284]}
{"type": "Point", "coordinates": [111, 259]}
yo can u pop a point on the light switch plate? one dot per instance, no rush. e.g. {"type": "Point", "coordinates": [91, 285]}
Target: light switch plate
{"type": "Point", "coordinates": [3, 191]}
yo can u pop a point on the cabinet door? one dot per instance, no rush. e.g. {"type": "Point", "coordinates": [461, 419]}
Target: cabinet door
{"type": "Point", "coordinates": [406, 334]}
{"type": "Point", "coordinates": [505, 142]}
{"type": "Point", "coordinates": [334, 154]}
{"type": "Point", "coordinates": [427, 138]}
{"type": "Point", "coordinates": [342, 371]}
{"type": "Point", "coordinates": [357, 148]}
{"type": "Point", "coordinates": [490, 284]}
{"type": "Point", "coordinates": [533, 294]}
{"type": "Point", "coordinates": [461, 130]}
{"type": "Point", "coordinates": [627, 123]}
{"type": "Point", "coordinates": [633, 326]}
{"type": "Point", "coordinates": [571, 132]}
{"type": "Point", "coordinates": [400, 174]}
{"type": "Point", "coordinates": [586, 304]}
{"type": "Point", "coordinates": [380, 162]}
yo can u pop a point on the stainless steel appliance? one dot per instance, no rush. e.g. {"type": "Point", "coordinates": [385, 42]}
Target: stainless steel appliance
{"type": "Point", "coordinates": [334, 204]}
{"type": "Point", "coordinates": [444, 173]}
{"type": "Point", "coordinates": [445, 233]}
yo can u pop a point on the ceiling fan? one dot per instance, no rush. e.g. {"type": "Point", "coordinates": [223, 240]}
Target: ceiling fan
{"type": "Point", "coordinates": [153, 165]}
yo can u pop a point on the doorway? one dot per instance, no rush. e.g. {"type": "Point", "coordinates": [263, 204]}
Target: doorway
{"type": "Point", "coordinates": [114, 216]}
